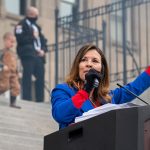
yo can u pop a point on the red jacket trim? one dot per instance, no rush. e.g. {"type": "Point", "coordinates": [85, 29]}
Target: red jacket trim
{"type": "Point", "coordinates": [80, 97]}
{"type": "Point", "coordinates": [148, 70]}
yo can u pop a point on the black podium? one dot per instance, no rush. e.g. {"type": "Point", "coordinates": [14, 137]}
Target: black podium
{"type": "Point", "coordinates": [121, 129]}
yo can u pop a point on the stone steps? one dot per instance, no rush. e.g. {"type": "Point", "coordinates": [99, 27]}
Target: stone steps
{"type": "Point", "coordinates": [25, 128]}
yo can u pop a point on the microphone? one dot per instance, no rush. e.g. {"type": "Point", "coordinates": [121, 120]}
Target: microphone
{"type": "Point", "coordinates": [95, 85]}
{"type": "Point", "coordinates": [132, 94]}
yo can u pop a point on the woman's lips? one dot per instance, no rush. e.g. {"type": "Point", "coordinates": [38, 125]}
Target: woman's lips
{"type": "Point", "coordinates": [86, 71]}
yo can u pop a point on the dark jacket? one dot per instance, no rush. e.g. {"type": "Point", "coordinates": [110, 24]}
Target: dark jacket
{"type": "Point", "coordinates": [25, 40]}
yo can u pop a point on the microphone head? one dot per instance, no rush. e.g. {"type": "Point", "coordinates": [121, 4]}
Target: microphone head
{"type": "Point", "coordinates": [96, 83]}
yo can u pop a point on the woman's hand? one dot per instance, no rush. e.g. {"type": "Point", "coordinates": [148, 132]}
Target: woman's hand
{"type": "Point", "coordinates": [90, 78]}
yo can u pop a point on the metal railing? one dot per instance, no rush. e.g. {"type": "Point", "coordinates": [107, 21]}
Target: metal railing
{"type": "Point", "coordinates": [120, 29]}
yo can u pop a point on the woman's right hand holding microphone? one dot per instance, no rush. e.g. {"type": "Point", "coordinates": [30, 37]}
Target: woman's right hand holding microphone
{"type": "Point", "coordinates": [91, 80]}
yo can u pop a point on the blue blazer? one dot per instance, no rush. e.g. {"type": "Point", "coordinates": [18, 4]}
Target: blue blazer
{"type": "Point", "coordinates": [64, 111]}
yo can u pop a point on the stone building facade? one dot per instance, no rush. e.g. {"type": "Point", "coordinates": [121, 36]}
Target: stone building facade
{"type": "Point", "coordinates": [11, 11]}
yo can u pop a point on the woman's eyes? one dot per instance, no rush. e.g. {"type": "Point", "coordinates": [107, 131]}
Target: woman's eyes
{"type": "Point", "coordinates": [96, 61]}
{"type": "Point", "coordinates": [93, 60]}
{"type": "Point", "coordinates": [83, 59]}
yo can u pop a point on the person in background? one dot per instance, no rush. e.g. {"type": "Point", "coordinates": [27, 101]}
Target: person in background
{"type": "Point", "coordinates": [31, 49]}
{"type": "Point", "coordinates": [87, 87]}
{"type": "Point", "coordinates": [9, 77]}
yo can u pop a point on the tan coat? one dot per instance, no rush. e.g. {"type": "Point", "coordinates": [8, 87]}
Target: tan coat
{"type": "Point", "coordinates": [9, 79]}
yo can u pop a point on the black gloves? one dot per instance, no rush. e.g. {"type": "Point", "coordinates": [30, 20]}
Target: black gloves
{"type": "Point", "coordinates": [91, 80]}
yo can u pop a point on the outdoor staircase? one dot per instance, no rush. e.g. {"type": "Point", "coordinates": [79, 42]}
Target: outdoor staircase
{"type": "Point", "coordinates": [25, 128]}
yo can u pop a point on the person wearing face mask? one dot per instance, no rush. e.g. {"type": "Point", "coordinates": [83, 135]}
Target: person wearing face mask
{"type": "Point", "coordinates": [87, 87]}
{"type": "Point", "coordinates": [31, 49]}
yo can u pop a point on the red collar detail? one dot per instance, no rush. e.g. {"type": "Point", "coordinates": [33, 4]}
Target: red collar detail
{"type": "Point", "coordinates": [148, 70]}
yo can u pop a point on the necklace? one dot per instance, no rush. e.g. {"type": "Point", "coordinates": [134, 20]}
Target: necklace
{"type": "Point", "coordinates": [93, 102]}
